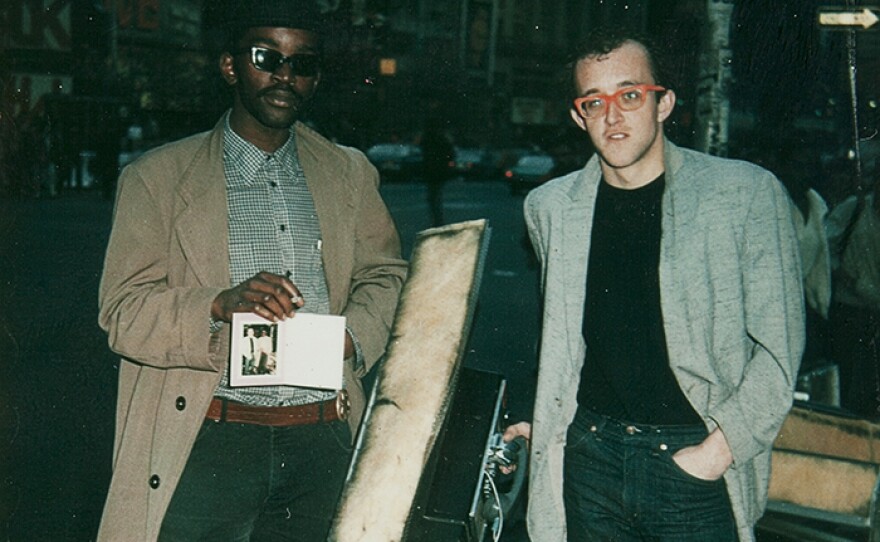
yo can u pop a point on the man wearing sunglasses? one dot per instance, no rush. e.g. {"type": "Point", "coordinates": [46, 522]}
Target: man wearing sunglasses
{"type": "Point", "coordinates": [260, 215]}
{"type": "Point", "coordinates": [673, 323]}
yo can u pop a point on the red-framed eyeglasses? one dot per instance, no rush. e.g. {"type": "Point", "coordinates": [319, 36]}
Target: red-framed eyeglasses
{"type": "Point", "coordinates": [626, 99]}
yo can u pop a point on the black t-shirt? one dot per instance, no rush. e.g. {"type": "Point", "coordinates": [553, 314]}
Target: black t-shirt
{"type": "Point", "coordinates": [626, 374]}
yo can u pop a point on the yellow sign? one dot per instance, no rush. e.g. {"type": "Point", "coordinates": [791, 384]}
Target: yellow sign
{"type": "Point", "coordinates": [388, 66]}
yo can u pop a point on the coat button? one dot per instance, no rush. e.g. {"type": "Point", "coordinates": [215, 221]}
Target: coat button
{"type": "Point", "coordinates": [154, 481]}
{"type": "Point", "coordinates": [180, 403]}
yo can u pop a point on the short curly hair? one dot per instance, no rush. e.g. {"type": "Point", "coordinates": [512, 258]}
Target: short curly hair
{"type": "Point", "coordinates": [604, 39]}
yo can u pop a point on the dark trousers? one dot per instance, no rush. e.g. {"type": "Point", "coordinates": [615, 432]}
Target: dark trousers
{"type": "Point", "coordinates": [621, 484]}
{"type": "Point", "coordinates": [435, 200]}
{"type": "Point", "coordinates": [250, 483]}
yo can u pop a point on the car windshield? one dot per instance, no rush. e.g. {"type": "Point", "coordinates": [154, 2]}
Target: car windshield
{"type": "Point", "coordinates": [535, 161]}
{"type": "Point", "coordinates": [390, 150]}
{"type": "Point", "coordinates": [468, 154]}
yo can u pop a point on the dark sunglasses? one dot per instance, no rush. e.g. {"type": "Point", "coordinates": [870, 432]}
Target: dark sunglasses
{"type": "Point", "coordinates": [269, 60]}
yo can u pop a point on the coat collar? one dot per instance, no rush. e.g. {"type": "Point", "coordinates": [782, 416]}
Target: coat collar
{"type": "Point", "coordinates": [202, 225]}
{"type": "Point", "coordinates": [328, 172]}
{"type": "Point", "coordinates": [588, 182]}
{"type": "Point", "coordinates": [577, 230]}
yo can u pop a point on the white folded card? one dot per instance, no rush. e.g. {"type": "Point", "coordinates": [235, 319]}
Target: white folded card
{"type": "Point", "coordinates": [305, 351]}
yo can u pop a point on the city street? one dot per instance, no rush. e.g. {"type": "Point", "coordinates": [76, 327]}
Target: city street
{"type": "Point", "coordinates": [61, 378]}
{"type": "Point", "coordinates": [58, 373]}
{"type": "Point", "coordinates": [790, 86]}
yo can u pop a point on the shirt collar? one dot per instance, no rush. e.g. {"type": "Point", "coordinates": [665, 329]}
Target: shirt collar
{"type": "Point", "coordinates": [248, 159]}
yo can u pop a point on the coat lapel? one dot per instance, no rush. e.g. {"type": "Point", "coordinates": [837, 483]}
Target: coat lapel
{"type": "Point", "coordinates": [576, 228]}
{"type": "Point", "coordinates": [334, 205]}
{"type": "Point", "coordinates": [680, 207]}
{"type": "Point", "coordinates": [202, 225]}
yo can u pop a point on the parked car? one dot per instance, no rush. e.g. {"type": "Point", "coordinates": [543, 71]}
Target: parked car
{"type": "Point", "coordinates": [396, 160]}
{"type": "Point", "coordinates": [530, 171]}
{"type": "Point", "coordinates": [506, 157]}
{"type": "Point", "coordinates": [472, 162]}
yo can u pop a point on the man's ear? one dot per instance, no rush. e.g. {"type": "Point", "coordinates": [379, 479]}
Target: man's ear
{"type": "Point", "coordinates": [579, 120]}
{"type": "Point", "coordinates": [227, 69]}
{"type": "Point", "coordinates": [665, 106]}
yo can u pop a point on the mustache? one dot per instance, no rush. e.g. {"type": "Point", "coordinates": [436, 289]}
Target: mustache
{"type": "Point", "coordinates": [281, 89]}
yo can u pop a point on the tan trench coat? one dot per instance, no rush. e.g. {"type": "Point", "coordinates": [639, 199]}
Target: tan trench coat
{"type": "Point", "coordinates": [167, 260]}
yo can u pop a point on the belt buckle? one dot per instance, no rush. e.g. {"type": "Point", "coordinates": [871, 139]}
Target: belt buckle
{"type": "Point", "coordinates": [343, 405]}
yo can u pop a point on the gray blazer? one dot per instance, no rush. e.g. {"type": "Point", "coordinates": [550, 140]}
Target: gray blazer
{"type": "Point", "coordinates": [732, 307]}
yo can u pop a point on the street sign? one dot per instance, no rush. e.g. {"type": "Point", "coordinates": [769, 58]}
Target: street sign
{"type": "Point", "coordinates": [862, 18]}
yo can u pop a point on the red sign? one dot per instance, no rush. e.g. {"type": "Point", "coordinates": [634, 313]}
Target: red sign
{"type": "Point", "coordinates": [140, 14]}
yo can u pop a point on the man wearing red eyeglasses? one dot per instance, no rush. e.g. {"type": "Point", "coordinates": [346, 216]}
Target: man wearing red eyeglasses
{"type": "Point", "coordinates": [261, 215]}
{"type": "Point", "coordinates": [673, 323]}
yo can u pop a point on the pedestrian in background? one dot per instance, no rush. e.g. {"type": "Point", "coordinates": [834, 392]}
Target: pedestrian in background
{"type": "Point", "coordinates": [437, 154]}
{"type": "Point", "coordinates": [855, 310]}
{"type": "Point", "coordinates": [260, 215]}
{"type": "Point", "coordinates": [673, 322]}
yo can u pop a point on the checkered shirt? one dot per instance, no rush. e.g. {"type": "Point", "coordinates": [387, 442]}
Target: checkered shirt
{"type": "Point", "coordinates": [273, 226]}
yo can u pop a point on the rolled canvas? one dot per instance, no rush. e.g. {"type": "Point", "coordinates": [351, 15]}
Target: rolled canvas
{"type": "Point", "coordinates": [414, 384]}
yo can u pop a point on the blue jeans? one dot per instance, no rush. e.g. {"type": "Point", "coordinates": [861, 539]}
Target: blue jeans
{"type": "Point", "coordinates": [246, 482]}
{"type": "Point", "coordinates": [620, 483]}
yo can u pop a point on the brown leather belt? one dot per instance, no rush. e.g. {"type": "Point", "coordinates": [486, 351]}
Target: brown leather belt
{"type": "Point", "coordinates": [222, 410]}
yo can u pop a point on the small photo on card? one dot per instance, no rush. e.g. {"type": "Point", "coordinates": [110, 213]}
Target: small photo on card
{"type": "Point", "coordinates": [259, 349]}
{"type": "Point", "coordinates": [253, 354]}
{"type": "Point", "coordinates": [305, 351]}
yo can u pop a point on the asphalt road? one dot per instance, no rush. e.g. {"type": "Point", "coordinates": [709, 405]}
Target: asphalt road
{"type": "Point", "coordinates": [60, 379]}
